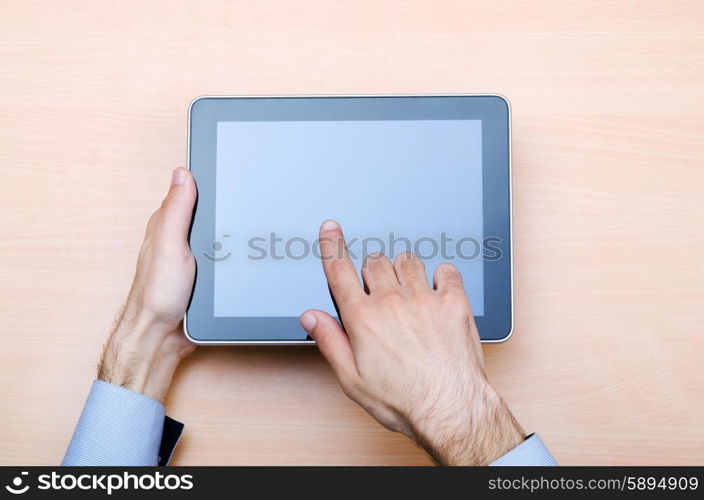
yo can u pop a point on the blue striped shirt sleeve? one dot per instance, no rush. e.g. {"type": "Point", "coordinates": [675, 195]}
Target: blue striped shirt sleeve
{"type": "Point", "coordinates": [532, 451]}
{"type": "Point", "coordinates": [117, 427]}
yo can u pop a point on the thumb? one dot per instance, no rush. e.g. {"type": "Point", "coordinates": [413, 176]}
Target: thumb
{"type": "Point", "coordinates": [177, 207]}
{"type": "Point", "coordinates": [333, 344]}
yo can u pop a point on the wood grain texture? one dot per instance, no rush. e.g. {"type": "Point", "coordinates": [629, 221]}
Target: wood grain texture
{"type": "Point", "coordinates": [607, 361]}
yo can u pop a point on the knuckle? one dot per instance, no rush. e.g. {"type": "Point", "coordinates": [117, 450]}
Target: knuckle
{"type": "Point", "coordinates": [407, 261]}
{"type": "Point", "coordinates": [375, 261]}
{"type": "Point", "coordinates": [327, 251]}
{"type": "Point", "coordinates": [340, 291]}
{"type": "Point", "coordinates": [154, 221]}
{"type": "Point", "coordinates": [166, 203]}
{"type": "Point", "coordinates": [391, 297]}
{"type": "Point", "coordinates": [349, 389]}
{"type": "Point", "coordinates": [449, 273]}
{"type": "Point", "coordinates": [336, 266]}
{"type": "Point", "coordinates": [351, 385]}
{"type": "Point", "coordinates": [454, 296]}
{"type": "Point", "coordinates": [456, 300]}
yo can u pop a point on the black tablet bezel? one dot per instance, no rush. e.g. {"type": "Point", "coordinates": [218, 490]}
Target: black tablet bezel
{"type": "Point", "coordinates": [200, 324]}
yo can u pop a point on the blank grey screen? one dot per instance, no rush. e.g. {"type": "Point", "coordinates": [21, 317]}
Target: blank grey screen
{"type": "Point", "coordinates": [394, 185]}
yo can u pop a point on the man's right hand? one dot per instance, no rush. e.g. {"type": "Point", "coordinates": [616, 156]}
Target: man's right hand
{"type": "Point", "coordinates": [410, 355]}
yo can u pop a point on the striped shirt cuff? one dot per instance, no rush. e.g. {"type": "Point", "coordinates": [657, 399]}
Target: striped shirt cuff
{"type": "Point", "coordinates": [117, 427]}
{"type": "Point", "coordinates": [532, 451]}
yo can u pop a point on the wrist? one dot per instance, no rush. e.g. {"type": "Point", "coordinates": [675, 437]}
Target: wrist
{"type": "Point", "coordinates": [137, 355]}
{"type": "Point", "coordinates": [476, 434]}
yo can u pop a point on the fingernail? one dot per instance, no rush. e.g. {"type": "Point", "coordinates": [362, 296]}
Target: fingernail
{"type": "Point", "coordinates": [330, 225]}
{"type": "Point", "coordinates": [178, 176]}
{"type": "Point", "coordinates": [308, 321]}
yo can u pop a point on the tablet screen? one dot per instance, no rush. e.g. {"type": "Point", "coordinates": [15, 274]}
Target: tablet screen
{"type": "Point", "coordinates": [394, 185]}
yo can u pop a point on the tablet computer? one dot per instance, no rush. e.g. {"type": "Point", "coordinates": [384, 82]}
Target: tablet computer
{"type": "Point", "coordinates": [430, 174]}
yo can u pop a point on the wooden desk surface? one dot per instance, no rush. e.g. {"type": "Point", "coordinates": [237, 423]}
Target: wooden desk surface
{"type": "Point", "coordinates": [607, 361]}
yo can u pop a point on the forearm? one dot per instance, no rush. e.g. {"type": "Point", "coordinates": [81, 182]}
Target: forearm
{"type": "Point", "coordinates": [138, 355]}
{"type": "Point", "coordinates": [475, 432]}
{"type": "Point", "coordinates": [491, 433]}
